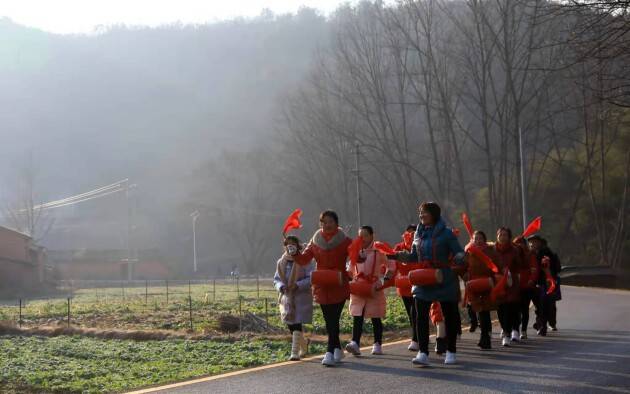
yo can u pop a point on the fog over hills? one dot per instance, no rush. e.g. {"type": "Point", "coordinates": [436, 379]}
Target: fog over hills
{"type": "Point", "coordinates": [149, 104]}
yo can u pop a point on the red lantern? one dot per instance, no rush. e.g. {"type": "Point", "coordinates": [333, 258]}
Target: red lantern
{"type": "Point", "coordinates": [402, 282]}
{"type": "Point", "coordinates": [327, 278]}
{"type": "Point", "coordinates": [426, 277]}
{"type": "Point", "coordinates": [480, 286]}
{"type": "Point", "coordinates": [362, 288]}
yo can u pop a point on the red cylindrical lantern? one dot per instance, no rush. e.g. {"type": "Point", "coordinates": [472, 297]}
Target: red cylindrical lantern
{"type": "Point", "coordinates": [362, 288]}
{"type": "Point", "coordinates": [327, 278]}
{"type": "Point", "coordinates": [426, 277]}
{"type": "Point", "coordinates": [402, 282]}
{"type": "Point", "coordinates": [480, 285]}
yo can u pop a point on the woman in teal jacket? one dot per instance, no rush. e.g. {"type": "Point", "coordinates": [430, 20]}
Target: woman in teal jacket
{"type": "Point", "coordinates": [435, 246]}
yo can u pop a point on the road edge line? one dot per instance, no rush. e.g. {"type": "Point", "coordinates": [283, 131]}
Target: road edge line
{"type": "Point", "coordinates": [248, 370]}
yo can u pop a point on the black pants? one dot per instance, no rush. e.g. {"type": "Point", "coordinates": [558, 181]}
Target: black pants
{"type": "Point", "coordinates": [332, 314]}
{"type": "Point", "coordinates": [536, 300]}
{"type": "Point", "coordinates": [546, 312]}
{"type": "Point", "coordinates": [357, 329]}
{"type": "Point", "coordinates": [523, 313]}
{"type": "Point", "coordinates": [295, 327]}
{"type": "Point", "coordinates": [472, 315]}
{"type": "Point", "coordinates": [508, 317]}
{"type": "Point", "coordinates": [485, 324]}
{"type": "Point", "coordinates": [451, 319]}
{"type": "Point", "coordinates": [411, 313]}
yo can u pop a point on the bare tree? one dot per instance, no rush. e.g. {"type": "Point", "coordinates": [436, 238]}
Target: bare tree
{"type": "Point", "coordinates": [237, 193]}
{"type": "Point", "coordinates": [22, 206]}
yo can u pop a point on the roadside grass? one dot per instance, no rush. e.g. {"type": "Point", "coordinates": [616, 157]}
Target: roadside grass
{"type": "Point", "coordinates": [106, 308]}
{"type": "Point", "coordinates": [88, 365]}
{"type": "Point", "coordinates": [93, 365]}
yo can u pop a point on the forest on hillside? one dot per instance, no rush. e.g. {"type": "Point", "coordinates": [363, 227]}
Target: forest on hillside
{"type": "Point", "coordinates": [245, 121]}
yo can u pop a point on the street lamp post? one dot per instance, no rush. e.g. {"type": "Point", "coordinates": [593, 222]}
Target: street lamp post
{"type": "Point", "coordinates": [194, 216]}
{"type": "Point", "coordinates": [129, 187]}
{"type": "Point", "coordinates": [522, 178]}
{"type": "Point", "coordinates": [357, 172]}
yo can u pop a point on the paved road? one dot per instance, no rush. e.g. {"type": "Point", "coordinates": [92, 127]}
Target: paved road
{"type": "Point", "coordinates": [590, 353]}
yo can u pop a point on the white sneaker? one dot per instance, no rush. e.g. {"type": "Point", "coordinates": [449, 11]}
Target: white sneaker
{"type": "Point", "coordinates": [505, 341]}
{"type": "Point", "coordinates": [421, 359]}
{"type": "Point", "coordinates": [450, 358]}
{"type": "Point", "coordinates": [413, 346]}
{"type": "Point", "coordinates": [376, 349]}
{"type": "Point", "coordinates": [339, 355]}
{"type": "Point", "coordinates": [523, 335]}
{"type": "Point", "coordinates": [515, 336]}
{"type": "Point", "coordinates": [328, 359]}
{"type": "Point", "coordinates": [353, 348]}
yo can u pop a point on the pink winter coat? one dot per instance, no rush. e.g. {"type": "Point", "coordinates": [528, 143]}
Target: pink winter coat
{"type": "Point", "coordinates": [373, 306]}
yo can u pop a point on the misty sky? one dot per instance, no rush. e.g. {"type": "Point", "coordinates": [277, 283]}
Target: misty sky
{"type": "Point", "coordinates": [82, 16]}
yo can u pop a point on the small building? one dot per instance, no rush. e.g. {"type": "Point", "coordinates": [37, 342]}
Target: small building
{"type": "Point", "coordinates": [108, 264]}
{"type": "Point", "coordinates": [23, 269]}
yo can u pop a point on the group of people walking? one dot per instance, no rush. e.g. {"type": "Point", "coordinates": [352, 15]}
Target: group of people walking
{"type": "Point", "coordinates": [426, 268]}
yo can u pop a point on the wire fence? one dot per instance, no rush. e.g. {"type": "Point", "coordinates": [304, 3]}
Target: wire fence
{"type": "Point", "coordinates": [124, 304]}
{"type": "Point", "coordinates": [198, 306]}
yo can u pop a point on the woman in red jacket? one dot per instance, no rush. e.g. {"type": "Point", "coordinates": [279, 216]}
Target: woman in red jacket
{"type": "Point", "coordinates": [329, 248]}
{"type": "Point", "coordinates": [509, 262]}
{"type": "Point", "coordinates": [482, 303]}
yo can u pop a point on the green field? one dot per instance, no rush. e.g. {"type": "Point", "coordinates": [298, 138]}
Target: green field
{"type": "Point", "coordinates": [81, 364]}
{"type": "Point", "coordinates": [140, 308]}
{"type": "Point", "coordinates": [75, 364]}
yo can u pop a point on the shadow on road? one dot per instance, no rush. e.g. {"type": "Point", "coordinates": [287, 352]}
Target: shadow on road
{"type": "Point", "coordinates": [564, 361]}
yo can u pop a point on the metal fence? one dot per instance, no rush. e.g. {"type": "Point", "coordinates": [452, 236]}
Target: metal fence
{"type": "Point", "coordinates": [209, 305]}
{"type": "Point", "coordinates": [172, 301]}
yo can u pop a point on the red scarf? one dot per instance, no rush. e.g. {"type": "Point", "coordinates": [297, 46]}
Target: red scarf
{"type": "Point", "coordinates": [330, 235]}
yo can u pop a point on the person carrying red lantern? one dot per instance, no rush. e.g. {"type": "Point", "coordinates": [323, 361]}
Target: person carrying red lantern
{"type": "Point", "coordinates": [295, 301]}
{"type": "Point", "coordinates": [329, 248]}
{"type": "Point", "coordinates": [548, 292]}
{"type": "Point", "coordinates": [369, 269]}
{"type": "Point", "coordinates": [403, 289]}
{"type": "Point", "coordinates": [480, 284]}
{"type": "Point", "coordinates": [528, 277]}
{"type": "Point", "coordinates": [434, 246]}
{"type": "Point", "coordinates": [509, 264]}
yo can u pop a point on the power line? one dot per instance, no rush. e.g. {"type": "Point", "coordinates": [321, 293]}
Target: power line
{"type": "Point", "coordinates": [92, 194]}
{"type": "Point", "coordinates": [82, 195]}
{"type": "Point", "coordinates": [81, 200]}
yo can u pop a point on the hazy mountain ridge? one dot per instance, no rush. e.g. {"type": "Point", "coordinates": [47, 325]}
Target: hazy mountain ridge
{"type": "Point", "coordinates": [136, 102]}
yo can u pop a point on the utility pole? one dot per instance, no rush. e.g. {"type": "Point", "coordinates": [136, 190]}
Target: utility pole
{"type": "Point", "coordinates": [194, 217]}
{"type": "Point", "coordinates": [357, 171]}
{"type": "Point", "coordinates": [522, 173]}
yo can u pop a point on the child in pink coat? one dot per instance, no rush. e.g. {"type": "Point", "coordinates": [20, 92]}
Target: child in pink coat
{"type": "Point", "coordinates": [372, 268]}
